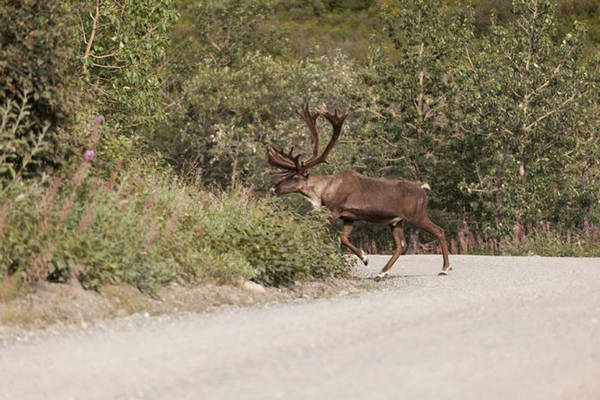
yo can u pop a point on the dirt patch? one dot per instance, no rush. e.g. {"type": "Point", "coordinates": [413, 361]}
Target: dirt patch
{"type": "Point", "coordinates": [52, 307]}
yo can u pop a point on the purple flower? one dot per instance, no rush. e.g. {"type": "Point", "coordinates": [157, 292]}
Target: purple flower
{"type": "Point", "coordinates": [538, 223]}
{"type": "Point", "coordinates": [464, 223]}
{"type": "Point", "coordinates": [99, 119]}
{"type": "Point", "coordinates": [586, 224]}
{"type": "Point", "coordinates": [89, 155]}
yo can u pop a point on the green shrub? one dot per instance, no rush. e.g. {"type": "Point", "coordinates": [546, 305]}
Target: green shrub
{"type": "Point", "coordinates": [37, 42]}
{"type": "Point", "coordinates": [149, 230]}
{"type": "Point", "coordinates": [554, 242]}
{"type": "Point", "coordinates": [122, 67]}
{"type": "Point", "coordinates": [282, 245]}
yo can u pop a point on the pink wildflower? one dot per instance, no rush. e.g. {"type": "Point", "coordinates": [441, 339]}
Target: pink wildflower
{"type": "Point", "coordinates": [89, 155]}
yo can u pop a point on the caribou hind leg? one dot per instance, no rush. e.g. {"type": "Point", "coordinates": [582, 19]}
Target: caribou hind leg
{"type": "Point", "coordinates": [426, 224]}
{"type": "Point", "coordinates": [345, 235]}
{"type": "Point", "coordinates": [400, 248]}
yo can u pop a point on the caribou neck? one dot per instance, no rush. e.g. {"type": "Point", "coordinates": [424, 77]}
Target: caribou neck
{"type": "Point", "coordinates": [315, 187]}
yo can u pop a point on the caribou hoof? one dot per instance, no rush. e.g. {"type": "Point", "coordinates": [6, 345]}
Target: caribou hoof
{"type": "Point", "coordinates": [444, 272]}
{"type": "Point", "coordinates": [380, 276]}
{"type": "Point", "coordinates": [363, 257]}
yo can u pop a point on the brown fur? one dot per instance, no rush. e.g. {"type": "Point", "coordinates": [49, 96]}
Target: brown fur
{"type": "Point", "coordinates": [354, 197]}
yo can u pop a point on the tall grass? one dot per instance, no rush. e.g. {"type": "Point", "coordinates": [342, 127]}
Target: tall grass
{"type": "Point", "coordinates": [149, 229]}
{"type": "Point", "coordinates": [533, 238]}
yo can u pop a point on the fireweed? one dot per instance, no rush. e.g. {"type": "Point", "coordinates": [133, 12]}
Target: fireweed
{"type": "Point", "coordinates": [530, 238]}
{"type": "Point", "coordinates": [147, 229]}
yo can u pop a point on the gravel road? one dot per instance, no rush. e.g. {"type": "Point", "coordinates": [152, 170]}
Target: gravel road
{"type": "Point", "coordinates": [495, 328]}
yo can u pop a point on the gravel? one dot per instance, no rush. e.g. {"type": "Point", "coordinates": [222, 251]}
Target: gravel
{"type": "Point", "coordinates": [495, 328]}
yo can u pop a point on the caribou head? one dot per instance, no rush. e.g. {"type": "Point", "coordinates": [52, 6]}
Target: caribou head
{"type": "Point", "coordinates": [293, 171]}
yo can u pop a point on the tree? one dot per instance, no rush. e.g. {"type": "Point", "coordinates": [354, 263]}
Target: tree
{"type": "Point", "coordinates": [36, 102]}
{"type": "Point", "coordinates": [237, 99]}
{"type": "Point", "coordinates": [529, 120]}
{"type": "Point", "coordinates": [415, 90]}
{"type": "Point", "coordinates": [122, 54]}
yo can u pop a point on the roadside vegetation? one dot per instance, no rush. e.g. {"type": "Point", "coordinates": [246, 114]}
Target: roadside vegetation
{"type": "Point", "coordinates": [132, 134]}
{"type": "Point", "coordinates": [531, 239]}
{"type": "Point", "coordinates": [149, 230]}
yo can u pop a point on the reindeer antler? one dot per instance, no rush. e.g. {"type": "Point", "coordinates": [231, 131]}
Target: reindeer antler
{"type": "Point", "coordinates": [311, 122]}
{"type": "Point", "coordinates": [279, 159]}
{"type": "Point", "coordinates": [336, 122]}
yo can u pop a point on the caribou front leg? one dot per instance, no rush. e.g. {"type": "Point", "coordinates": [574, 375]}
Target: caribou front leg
{"type": "Point", "coordinates": [400, 248]}
{"type": "Point", "coordinates": [345, 234]}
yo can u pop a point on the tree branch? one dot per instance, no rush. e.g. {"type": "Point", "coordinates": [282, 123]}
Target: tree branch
{"type": "Point", "coordinates": [104, 56]}
{"type": "Point", "coordinates": [549, 113]}
{"type": "Point", "coordinates": [92, 35]}
{"type": "Point", "coordinates": [108, 66]}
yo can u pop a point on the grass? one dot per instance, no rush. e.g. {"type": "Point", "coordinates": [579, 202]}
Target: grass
{"type": "Point", "coordinates": [148, 229]}
{"type": "Point", "coordinates": [534, 238]}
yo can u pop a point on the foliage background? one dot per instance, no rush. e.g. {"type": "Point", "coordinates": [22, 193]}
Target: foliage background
{"type": "Point", "coordinates": [493, 102]}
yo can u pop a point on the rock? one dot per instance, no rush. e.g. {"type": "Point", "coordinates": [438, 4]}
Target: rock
{"type": "Point", "coordinates": [253, 287]}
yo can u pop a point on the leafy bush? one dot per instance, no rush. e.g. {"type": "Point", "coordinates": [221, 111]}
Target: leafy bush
{"type": "Point", "coordinates": [61, 61]}
{"type": "Point", "coordinates": [37, 41]}
{"type": "Point", "coordinates": [281, 245]}
{"type": "Point", "coordinates": [122, 63]}
{"type": "Point", "coordinates": [229, 115]}
{"type": "Point", "coordinates": [541, 238]}
{"type": "Point", "coordinates": [149, 230]}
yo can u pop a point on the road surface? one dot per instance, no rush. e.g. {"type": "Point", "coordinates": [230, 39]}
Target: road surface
{"type": "Point", "coordinates": [495, 328]}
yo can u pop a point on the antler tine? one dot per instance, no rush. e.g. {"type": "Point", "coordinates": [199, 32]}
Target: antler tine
{"type": "Point", "coordinates": [336, 122]}
{"type": "Point", "coordinates": [298, 164]}
{"type": "Point", "coordinates": [282, 174]}
{"type": "Point", "coordinates": [335, 119]}
{"type": "Point", "coordinates": [277, 158]}
{"type": "Point", "coordinates": [311, 122]}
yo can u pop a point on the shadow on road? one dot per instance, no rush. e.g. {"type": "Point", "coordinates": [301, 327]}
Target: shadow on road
{"type": "Point", "coordinates": [394, 277]}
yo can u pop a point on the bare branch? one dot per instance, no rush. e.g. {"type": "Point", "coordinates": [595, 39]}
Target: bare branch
{"type": "Point", "coordinates": [549, 113]}
{"type": "Point", "coordinates": [103, 56]}
{"type": "Point", "coordinates": [109, 66]}
{"type": "Point", "coordinates": [92, 35]}
{"type": "Point", "coordinates": [440, 103]}
{"type": "Point", "coordinates": [552, 76]}
{"type": "Point", "coordinates": [213, 44]}
{"type": "Point", "coordinates": [469, 58]}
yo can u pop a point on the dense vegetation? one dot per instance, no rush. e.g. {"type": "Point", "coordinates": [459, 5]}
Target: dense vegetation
{"type": "Point", "coordinates": [149, 230]}
{"type": "Point", "coordinates": [131, 131]}
{"type": "Point", "coordinates": [497, 110]}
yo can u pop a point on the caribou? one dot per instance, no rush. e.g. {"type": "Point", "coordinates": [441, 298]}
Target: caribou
{"type": "Point", "coordinates": [351, 196]}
